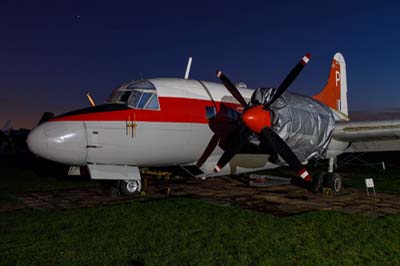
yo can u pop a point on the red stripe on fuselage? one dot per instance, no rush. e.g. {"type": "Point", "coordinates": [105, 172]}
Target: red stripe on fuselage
{"type": "Point", "coordinates": [179, 110]}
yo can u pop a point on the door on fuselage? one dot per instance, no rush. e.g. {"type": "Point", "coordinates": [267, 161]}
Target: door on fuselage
{"type": "Point", "coordinates": [118, 140]}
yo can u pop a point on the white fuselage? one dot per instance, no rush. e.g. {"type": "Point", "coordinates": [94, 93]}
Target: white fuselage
{"type": "Point", "coordinates": [175, 133]}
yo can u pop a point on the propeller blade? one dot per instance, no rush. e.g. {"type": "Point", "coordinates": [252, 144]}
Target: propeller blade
{"type": "Point", "coordinates": [280, 147]}
{"type": "Point", "coordinates": [289, 79]}
{"type": "Point", "coordinates": [236, 143]}
{"type": "Point", "coordinates": [231, 88]}
{"type": "Point", "coordinates": [207, 152]}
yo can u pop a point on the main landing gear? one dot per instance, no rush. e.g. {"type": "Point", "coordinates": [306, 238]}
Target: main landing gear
{"type": "Point", "coordinates": [330, 180]}
{"type": "Point", "coordinates": [122, 179]}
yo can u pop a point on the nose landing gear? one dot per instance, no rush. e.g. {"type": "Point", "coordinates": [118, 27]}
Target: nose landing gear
{"type": "Point", "coordinates": [129, 187]}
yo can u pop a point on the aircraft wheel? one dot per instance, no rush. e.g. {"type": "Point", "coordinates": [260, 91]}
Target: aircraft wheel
{"type": "Point", "coordinates": [334, 181]}
{"type": "Point", "coordinates": [130, 187]}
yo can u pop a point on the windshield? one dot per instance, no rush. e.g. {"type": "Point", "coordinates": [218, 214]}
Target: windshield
{"type": "Point", "coordinates": [139, 95]}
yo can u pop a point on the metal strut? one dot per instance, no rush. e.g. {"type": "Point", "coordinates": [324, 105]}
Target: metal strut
{"type": "Point", "coordinates": [332, 164]}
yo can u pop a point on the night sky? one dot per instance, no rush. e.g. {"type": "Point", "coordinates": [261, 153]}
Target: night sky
{"type": "Point", "coordinates": [52, 52]}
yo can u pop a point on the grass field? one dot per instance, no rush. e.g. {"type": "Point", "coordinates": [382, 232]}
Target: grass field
{"type": "Point", "coordinates": [179, 231]}
{"type": "Point", "coordinates": [354, 177]}
{"type": "Point", "coordinates": [190, 232]}
{"type": "Point", "coordinates": [387, 181]}
{"type": "Point", "coordinates": [14, 180]}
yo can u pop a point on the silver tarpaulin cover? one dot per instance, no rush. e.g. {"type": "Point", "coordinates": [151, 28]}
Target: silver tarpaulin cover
{"type": "Point", "coordinates": [305, 124]}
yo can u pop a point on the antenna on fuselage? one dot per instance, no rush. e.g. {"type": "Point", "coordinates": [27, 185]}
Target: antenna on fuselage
{"type": "Point", "coordinates": [189, 64]}
{"type": "Point", "coordinates": [90, 99]}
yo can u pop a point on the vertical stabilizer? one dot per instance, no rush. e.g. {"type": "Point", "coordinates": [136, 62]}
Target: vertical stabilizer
{"type": "Point", "coordinates": [335, 92]}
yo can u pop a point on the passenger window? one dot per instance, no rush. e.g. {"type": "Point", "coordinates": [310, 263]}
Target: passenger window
{"type": "Point", "coordinates": [210, 112]}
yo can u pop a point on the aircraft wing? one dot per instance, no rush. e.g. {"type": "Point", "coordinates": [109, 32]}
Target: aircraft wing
{"type": "Point", "coordinates": [369, 136]}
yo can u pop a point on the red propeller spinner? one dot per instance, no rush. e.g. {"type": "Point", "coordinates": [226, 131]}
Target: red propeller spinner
{"type": "Point", "coordinates": [256, 118]}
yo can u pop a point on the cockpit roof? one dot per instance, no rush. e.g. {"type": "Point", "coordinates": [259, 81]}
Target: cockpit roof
{"type": "Point", "coordinates": [181, 88]}
{"type": "Point", "coordinates": [137, 94]}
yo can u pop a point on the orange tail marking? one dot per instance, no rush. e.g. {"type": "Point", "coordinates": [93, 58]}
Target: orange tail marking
{"type": "Point", "coordinates": [330, 95]}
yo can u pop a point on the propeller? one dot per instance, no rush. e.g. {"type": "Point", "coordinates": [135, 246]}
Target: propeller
{"type": "Point", "coordinates": [209, 149]}
{"type": "Point", "coordinates": [280, 147]}
{"type": "Point", "coordinates": [222, 127]}
{"type": "Point", "coordinates": [289, 79]}
{"type": "Point", "coordinates": [231, 88]}
{"type": "Point", "coordinates": [237, 141]}
{"type": "Point", "coordinates": [257, 119]}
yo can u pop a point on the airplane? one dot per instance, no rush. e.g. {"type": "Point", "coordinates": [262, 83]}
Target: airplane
{"type": "Point", "coordinates": [211, 129]}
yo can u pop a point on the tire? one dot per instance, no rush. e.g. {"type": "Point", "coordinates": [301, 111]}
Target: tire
{"type": "Point", "coordinates": [334, 181]}
{"type": "Point", "coordinates": [130, 187]}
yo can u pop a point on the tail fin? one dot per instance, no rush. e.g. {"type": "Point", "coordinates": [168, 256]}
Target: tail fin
{"type": "Point", "coordinates": [335, 92]}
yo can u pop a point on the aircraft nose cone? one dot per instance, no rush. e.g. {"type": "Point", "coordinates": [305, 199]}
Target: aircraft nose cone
{"type": "Point", "coordinates": [63, 142]}
{"type": "Point", "coordinates": [256, 118]}
{"type": "Point", "coordinates": [37, 141]}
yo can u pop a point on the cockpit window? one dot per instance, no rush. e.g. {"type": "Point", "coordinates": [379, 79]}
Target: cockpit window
{"type": "Point", "coordinates": [153, 103]}
{"type": "Point", "coordinates": [144, 99]}
{"type": "Point", "coordinates": [135, 98]}
{"type": "Point", "coordinates": [139, 95]}
{"type": "Point", "coordinates": [125, 96]}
